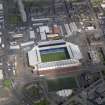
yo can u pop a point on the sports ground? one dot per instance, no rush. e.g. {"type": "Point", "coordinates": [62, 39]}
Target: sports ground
{"type": "Point", "coordinates": [61, 83]}
{"type": "Point", "coordinates": [54, 55]}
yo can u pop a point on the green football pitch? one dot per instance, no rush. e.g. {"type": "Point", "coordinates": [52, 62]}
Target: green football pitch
{"type": "Point", "coordinates": [61, 83]}
{"type": "Point", "coordinates": [53, 56]}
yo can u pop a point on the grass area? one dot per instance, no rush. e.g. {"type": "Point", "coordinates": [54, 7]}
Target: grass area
{"type": "Point", "coordinates": [32, 91]}
{"type": "Point", "coordinates": [14, 19]}
{"type": "Point", "coordinates": [61, 83]}
{"type": "Point", "coordinates": [34, 94]}
{"type": "Point", "coordinates": [96, 2]}
{"type": "Point", "coordinates": [102, 58]}
{"type": "Point", "coordinates": [73, 103]}
{"type": "Point", "coordinates": [42, 102]}
{"type": "Point", "coordinates": [7, 83]}
{"type": "Point", "coordinates": [53, 56]}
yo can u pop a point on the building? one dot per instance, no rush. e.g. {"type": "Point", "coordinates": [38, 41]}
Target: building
{"type": "Point", "coordinates": [43, 31]}
{"type": "Point", "coordinates": [50, 33]}
{"type": "Point", "coordinates": [1, 74]}
{"type": "Point", "coordinates": [1, 7]}
{"type": "Point", "coordinates": [54, 58]}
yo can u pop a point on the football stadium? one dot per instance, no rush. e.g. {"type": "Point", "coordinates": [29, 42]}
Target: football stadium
{"type": "Point", "coordinates": [55, 57]}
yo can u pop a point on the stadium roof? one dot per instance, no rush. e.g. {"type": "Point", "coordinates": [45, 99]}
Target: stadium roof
{"type": "Point", "coordinates": [50, 42]}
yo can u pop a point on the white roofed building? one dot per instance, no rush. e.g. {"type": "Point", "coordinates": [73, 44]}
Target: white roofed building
{"type": "Point", "coordinates": [1, 74]}
{"type": "Point", "coordinates": [43, 31]}
{"type": "Point", "coordinates": [1, 6]}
